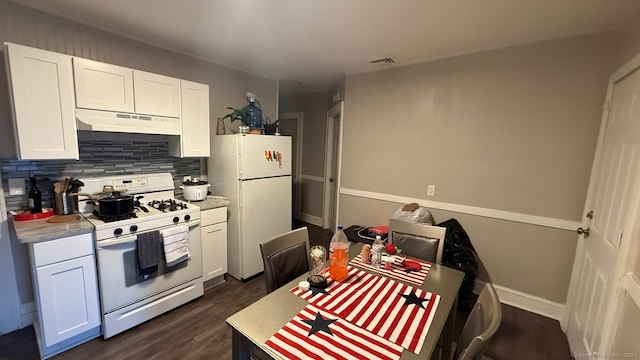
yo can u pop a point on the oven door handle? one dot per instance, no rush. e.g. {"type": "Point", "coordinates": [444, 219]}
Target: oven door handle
{"type": "Point", "coordinates": [193, 223]}
{"type": "Point", "coordinates": [120, 240]}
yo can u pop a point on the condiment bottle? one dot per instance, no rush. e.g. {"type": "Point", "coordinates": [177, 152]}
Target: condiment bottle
{"type": "Point", "coordinates": [35, 197]}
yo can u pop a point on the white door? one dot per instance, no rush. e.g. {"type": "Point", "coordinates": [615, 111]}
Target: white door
{"type": "Point", "coordinates": [68, 295]}
{"type": "Point", "coordinates": [103, 86]}
{"type": "Point", "coordinates": [332, 166]}
{"type": "Point", "coordinates": [195, 119]}
{"type": "Point", "coordinates": [155, 94]}
{"type": "Point", "coordinates": [613, 185]}
{"type": "Point", "coordinates": [43, 103]}
{"type": "Point", "coordinates": [265, 212]}
{"type": "Point", "coordinates": [258, 156]}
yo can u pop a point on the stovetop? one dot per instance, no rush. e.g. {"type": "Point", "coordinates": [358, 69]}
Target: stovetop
{"type": "Point", "coordinates": [155, 208]}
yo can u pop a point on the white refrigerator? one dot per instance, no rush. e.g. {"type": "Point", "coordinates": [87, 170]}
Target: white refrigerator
{"type": "Point", "coordinates": [254, 173]}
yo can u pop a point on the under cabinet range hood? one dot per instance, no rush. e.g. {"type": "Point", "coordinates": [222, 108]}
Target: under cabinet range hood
{"type": "Point", "coordinates": [99, 120]}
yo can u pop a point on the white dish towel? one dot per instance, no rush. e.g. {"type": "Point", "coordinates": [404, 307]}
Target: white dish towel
{"type": "Point", "coordinates": [176, 244]}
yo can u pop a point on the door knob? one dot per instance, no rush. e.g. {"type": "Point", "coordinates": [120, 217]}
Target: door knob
{"type": "Point", "coordinates": [583, 231]}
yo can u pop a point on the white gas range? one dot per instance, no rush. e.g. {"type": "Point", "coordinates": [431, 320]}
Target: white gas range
{"type": "Point", "coordinates": [128, 297]}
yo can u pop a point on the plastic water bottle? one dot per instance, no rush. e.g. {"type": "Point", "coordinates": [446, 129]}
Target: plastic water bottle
{"type": "Point", "coordinates": [339, 255]}
{"type": "Point", "coordinates": [376, 252]}
{"type": "Point", "coordinates": [253, 112]}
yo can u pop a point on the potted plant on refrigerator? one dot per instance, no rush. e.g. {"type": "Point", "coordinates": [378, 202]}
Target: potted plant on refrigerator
{"type": "Point", "coordinates": [238, 114]}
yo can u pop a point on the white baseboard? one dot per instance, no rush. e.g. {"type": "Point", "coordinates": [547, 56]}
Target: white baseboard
{"type": "Point", "coordinates": [27, 314]}
{"type": "Point", "coordinates": [311, 219]}
{"type": "Point", "coordinates": [524, 301]}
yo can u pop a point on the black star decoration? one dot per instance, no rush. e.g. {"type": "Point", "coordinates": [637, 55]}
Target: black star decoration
{"type": "Point", "coordinates": [412, 298]}
{"type": "Point", "coordinates": [315, 291]}
{"type": "Point", "coordinates": [319, 324]}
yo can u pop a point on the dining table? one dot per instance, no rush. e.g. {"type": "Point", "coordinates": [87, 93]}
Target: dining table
{"type": "Point", "coordinates": [257, 323]}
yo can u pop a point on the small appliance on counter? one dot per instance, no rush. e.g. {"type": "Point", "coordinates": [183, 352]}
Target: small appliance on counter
{"type": "Point", "coordinates": [195, 189]}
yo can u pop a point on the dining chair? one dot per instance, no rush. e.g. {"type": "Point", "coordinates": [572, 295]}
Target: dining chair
{"type": "Point", "coordinates": [422, 241]}
{"type": "Point", "coordinates": [285, 257]}
{"type": "Point", "coordinates": [481, 325]}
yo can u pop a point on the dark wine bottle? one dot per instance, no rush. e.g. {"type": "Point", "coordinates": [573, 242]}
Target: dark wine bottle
{"type": "Point", "coordinates": [35, 198]}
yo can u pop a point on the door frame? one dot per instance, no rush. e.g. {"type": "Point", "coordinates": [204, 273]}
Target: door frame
{"type": "Point", "coordinates": [335, 112]}
{"type": "Point", "coordinates": [299, 116]}
{"type": "Point", "coordinates": [629, 229]}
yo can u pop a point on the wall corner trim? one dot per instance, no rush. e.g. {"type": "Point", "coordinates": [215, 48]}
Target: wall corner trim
{"type": "Point", "coordinates": [561, 224]}
{"type": "Point", "coordinates": [524, 301]}
{"type": "Point", "coordinates": [27, 314]}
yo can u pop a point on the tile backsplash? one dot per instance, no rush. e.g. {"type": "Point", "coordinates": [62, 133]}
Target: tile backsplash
{"type": "Point", "coordinates": [97, 159]}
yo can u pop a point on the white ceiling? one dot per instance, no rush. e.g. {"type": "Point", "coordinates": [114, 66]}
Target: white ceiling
{"type": "Point", "coordinates": [314, 43]}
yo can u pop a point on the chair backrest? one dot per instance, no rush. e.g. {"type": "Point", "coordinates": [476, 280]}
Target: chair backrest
{"type": "Point", "coordinates": [285, 257]}
{"type": "Point", "coordinates": [422, 241]}
{"type": "Point", "coordinates": [482, 323]}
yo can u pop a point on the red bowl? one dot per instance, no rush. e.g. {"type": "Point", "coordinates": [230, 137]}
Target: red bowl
{"type": "Point", "coordinates": [43, 215]}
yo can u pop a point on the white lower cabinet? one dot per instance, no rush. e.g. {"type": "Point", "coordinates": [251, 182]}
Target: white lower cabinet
{"type": "Point", "coordinates": [66, 293]}
{"type": "Point", "coordinates": [214, 243]}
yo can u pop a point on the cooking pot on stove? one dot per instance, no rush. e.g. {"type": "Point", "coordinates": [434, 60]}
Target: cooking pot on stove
{"type": "Point", "coordinates": [195, 190]}
{"type": "Point", "coordinates": [113, 205]}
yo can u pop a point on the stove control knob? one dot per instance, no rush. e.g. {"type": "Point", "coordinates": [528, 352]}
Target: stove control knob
{"type": "Point", "coordinates": [133, 228]}
{"type": "Point", "coordinates": [176, 219]}
{"type": "Point", "coordinates": [117, 231]}
{"type": "Point", "coordinates": [187, 217]}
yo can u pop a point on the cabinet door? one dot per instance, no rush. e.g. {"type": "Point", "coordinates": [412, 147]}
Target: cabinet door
{"type": "Point", "coordinates": [195, 119]}
{"type": "Point", "coordinates": [214, 250]}
{"type": "Point", "coordinates": [41, 84]}
{"type": "Point", "coordinates": [155, 94]}
{"type": "Point", "coordinates": [68, 297]}
{"type": "Point", "coordinates": [103, 86]}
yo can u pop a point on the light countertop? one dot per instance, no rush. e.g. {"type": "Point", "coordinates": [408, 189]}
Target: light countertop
{"type": "Point", "coordinates": [207, 204]}
{"type": "Point", "coordinates": [40, 230]}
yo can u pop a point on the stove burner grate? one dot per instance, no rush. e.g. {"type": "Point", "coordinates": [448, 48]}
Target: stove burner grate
{"type": "Point", "coordinates": [167, 205]}
{"type": "Point", "coordinates": [114, 218]}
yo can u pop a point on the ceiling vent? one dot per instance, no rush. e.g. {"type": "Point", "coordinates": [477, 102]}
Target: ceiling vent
{"type": "Point", "coordinates": [386, 59]}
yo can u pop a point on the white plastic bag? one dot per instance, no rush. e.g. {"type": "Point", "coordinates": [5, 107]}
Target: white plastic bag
{"type": "Point", "coordinates": [420, 215]}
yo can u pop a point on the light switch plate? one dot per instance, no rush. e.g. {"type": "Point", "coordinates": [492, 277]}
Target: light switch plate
{"type": "Point", "coordinates": [431, 190]}
{"type": "Point", "coordinates": [16, 187]}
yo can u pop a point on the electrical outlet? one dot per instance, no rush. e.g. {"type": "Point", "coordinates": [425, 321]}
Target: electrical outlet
{"type": "Point", "coordinates": [431, 190]}
{"type": "Point", "coordinates": [16, 187]}
{"type": "Point", "coordinates": [186, 178]}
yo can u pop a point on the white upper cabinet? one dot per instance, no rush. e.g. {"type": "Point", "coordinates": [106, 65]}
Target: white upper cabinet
{"type": "Point", "coordinates": [41, 85]}
{"type": "Point", "coordinates": [156, 95]}
{"type": "Point", "coordinates": [194, 140]}
{"type": "Point", "coordinates": [103, 86]}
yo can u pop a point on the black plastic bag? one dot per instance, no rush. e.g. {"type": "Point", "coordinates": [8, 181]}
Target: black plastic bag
{"type": "Point", "coordinates": [459, 254]}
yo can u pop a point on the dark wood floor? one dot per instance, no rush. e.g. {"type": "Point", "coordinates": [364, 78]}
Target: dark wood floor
{"type": "Point", "coordinates": [197, 330]}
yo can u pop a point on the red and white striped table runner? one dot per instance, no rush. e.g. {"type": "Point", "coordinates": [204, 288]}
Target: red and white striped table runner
{"type": "Point", "coordinates": [317, 334]}
{"type": "Point", "coordinates": [395, 311]}
{"type": "Point", "coordinates": [397, 271]}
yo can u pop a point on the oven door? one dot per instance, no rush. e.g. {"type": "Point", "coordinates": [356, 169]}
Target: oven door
{"type": "Point", "coordinates": [120, 283]}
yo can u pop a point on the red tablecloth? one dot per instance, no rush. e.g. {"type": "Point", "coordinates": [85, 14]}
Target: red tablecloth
{"type": "Point", "coordinates": [397, 271]}
{"type": "Point", "coordinates": [317, 334]}
{"type": "Point", "coordinates": [397, 312]}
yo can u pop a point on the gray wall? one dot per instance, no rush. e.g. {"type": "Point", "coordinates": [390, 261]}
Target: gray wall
{"type": "Point", "coordinates": [314, 106]}
{"type": "Point", "coordinates": [33, 28]}
{"type": "Point", "coordinates": [512, 130]}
